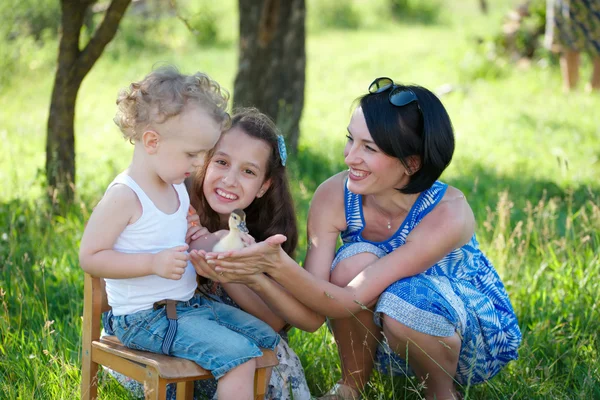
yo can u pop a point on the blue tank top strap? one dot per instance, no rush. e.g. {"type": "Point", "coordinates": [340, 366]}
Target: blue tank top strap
{"type": "Point", "coordinates": [354, 221]}
{"type": "Point", "coordinates": [426, 201]}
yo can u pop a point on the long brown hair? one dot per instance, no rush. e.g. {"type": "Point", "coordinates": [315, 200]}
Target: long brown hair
{"type": "Point", "coordinates": [273, 212]}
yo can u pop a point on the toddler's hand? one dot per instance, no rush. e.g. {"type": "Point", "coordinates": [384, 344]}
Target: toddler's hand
{"type": "Point", "coordinates": [171, 263]}
{"type": "Point", "coordinates": [195, 230]}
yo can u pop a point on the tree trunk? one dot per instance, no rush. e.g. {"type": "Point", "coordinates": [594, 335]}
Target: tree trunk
{"type": "Point", "coordinates": [272, 62]}
{"type": "Point", "coordinates": [73, 65]}
{"type": "Point", "coordinates": [483, 6]}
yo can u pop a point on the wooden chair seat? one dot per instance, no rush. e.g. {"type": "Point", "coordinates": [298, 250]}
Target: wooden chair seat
{"type": "Point", "coordinates": [167, 367]}
{"type": "Point", "coordinates": [155, 371]}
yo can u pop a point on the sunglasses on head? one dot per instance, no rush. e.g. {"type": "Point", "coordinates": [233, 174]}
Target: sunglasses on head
{"type": "Point", "coordinates": [398, 96]}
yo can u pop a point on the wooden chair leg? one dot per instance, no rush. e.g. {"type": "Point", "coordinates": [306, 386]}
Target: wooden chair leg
{"type": "Point", "coordinates": [89, 378]}
{"type": "Point", "coordinates": [185, 390]}
{"type": "Point", "coordinates": [92, 301]}
{"type": "Point", "coordinates": [155, 388]}
{"type": "Point", "coordinates": [261, 380]}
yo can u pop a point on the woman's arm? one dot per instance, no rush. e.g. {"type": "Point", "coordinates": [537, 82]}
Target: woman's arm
{"type": "Point", "coordinates": [326, 219]}
{"type": "Point", "coordinates": [287, 307]}
{"type": "Point", "coordinates": [271, 303]}
{"type": "Point", "coordinates": [263, 298]}
{"type": "Point", "coordinates": [447, 227]}
{"type": "Point", "coordinates": [250, 302]}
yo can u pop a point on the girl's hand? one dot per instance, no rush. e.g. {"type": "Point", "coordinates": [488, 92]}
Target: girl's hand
{"type": "Point", "coordinates": [204, 269]}
{"type": "Point", "coordinates": [247, 239]}
{"type": "Point", "coordinates": [259, 258]}
{"type": "Point", "coordinates": [195, 230]}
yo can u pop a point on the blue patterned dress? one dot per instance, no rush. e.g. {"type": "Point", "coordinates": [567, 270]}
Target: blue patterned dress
{"type": "Point", "coordinates": [461, 293]}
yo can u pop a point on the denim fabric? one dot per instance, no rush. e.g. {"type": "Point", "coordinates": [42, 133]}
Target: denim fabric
{"type": "Point", "coordinates": [216, 336]}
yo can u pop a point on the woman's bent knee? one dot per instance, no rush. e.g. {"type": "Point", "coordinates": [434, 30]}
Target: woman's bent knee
{"type": "Point", "coordinates": [348, 268]}
{"type": "Point", "coordinates": [399, 333]}
{"type": "Point", "coordinates": [397, 329]}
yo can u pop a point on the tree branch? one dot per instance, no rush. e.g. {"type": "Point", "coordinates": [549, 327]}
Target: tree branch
{"type": "Point", "coordinates": [187, 24]}
{"type": "Point", "coordinates": [72, 12]}
{"type": "Point", "coordinates": [103, 35]}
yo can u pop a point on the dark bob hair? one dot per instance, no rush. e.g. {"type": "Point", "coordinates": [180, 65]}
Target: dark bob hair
{"type": "Point", "coordinates": [406, 131]}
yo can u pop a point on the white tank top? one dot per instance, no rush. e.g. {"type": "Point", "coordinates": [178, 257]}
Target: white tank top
{"type": "Point", "coordinates": [153, 232]}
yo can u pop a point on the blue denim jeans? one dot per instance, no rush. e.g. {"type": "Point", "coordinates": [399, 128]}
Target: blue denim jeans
{"type": "Point", "coordinates": [216, 336]}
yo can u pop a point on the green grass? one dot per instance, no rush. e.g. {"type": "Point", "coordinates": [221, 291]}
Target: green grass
{"type": "Point", "coordinates": [527, 159]}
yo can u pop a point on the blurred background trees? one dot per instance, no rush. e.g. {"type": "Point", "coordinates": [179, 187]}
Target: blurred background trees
{"type": "Point", "coordinates": [272, 62]}
{"type": "Point", "coordinates": [74, 63]}
{"type": "Point", "coordinates": [270, 37]}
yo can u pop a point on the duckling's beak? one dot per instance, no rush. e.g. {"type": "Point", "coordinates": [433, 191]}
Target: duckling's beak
{"type": "Point", "coordinates": [242, 227]}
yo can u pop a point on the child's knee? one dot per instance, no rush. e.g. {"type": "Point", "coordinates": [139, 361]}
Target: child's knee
{"type": "Point", "coordinates": [244, 368]}
{"type": "Point", "coordinates": [250, 364]}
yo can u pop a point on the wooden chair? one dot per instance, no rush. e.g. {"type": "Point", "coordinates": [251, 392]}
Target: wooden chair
{"type": "Point", "coordinates": [155, 371]}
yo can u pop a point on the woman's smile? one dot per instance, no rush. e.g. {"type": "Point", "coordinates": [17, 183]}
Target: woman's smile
{"type": "Point", "coordinates": [357, 174]}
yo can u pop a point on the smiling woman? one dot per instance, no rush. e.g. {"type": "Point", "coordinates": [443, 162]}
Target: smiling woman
{"type": "Point", "coordinates": [409, 254]}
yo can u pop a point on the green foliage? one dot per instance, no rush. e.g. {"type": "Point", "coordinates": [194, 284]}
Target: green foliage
{"type": "Point", "coordinates": [483, 62]}
{"type": "Point", "coordinates": [519, 37]}
{"type": "Point", "coordinates": [521, 33]}
{"type": "Point", "coordinates": [136, 35]}
{"type": "Point", "coordinates": [37, 18]}
{"type": "Point", "coordinates": [205, 27]}
{"type": "Point", "coordinates": [25, 53]}
{"type": "Point", "coordinates": [27, 35]}
{"type": "Point", "coordinates": [337, 14]}
{"type": "Point", "coordinates": [209, 23]}
{"type": "Point", "coordinates": [530, 33]}
{"type": "Point", "coordinates": [416, 11]}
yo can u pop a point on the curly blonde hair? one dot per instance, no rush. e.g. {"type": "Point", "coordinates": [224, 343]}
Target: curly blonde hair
{"type": "Point", "coordinates": [164, 93]}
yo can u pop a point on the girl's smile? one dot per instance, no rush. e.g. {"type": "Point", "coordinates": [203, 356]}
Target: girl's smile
{"type": "Point", "coordinates": [225, 196]}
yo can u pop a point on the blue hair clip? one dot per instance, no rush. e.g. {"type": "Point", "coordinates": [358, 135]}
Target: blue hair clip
{"type": "Point", "coordinates": [282, 149]}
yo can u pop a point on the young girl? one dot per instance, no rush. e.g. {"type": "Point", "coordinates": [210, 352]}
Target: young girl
{"type": "Point", "coordinates": [135, 237]}
{"type": "Point", "coordinates": [247, 171]}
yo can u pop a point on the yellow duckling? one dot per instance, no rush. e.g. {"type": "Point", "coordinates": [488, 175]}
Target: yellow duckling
{"type": "Point", "coordinates": [233, 240]}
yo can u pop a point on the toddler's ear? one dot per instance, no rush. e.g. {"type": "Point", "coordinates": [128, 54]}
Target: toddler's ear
{"type": "Point", "coordinates": [151, 139]}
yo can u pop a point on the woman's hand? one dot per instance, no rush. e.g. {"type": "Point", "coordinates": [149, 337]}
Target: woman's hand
{"type": "Point", "coordinates": [195, 230]}
{"type": "Point", "coordinates": [204, 269]}
{"type": "Point", "coordinates": [258, 258]}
